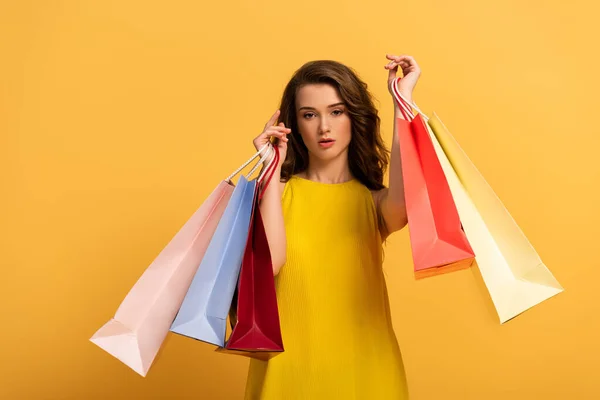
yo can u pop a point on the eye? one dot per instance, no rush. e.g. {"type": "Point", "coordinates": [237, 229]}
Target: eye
{"type": "Point", "coordinates": [338, 112]}
{"type": "Point", "coordinates": [307, 115]}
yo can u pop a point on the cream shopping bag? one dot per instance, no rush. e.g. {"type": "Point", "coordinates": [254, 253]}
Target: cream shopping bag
{"type": "Point", "coordinates": [513, 272]}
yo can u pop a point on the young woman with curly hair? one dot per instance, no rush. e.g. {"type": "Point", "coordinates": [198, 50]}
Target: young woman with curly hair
{"type": "Point", "coordinates": [326, 223]}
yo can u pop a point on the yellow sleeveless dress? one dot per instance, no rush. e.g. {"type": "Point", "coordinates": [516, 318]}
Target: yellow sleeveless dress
{"type": "Point", "coordinates": [333, 302]}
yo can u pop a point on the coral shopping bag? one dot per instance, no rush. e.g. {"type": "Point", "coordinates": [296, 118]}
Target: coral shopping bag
{"type": "Point", "coordinates": [203, 313]}
{"type": "Point", "coordinates": [513, 272]}
{"type": "Point", "coordinates": [136, 332]}
{"type": "Point", "coordinates": [438, 242]}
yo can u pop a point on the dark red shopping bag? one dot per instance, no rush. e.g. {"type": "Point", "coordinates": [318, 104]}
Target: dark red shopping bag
{"type": "Point", "coordinates": [255, 316]}
{"type": "Point", "coordinates": [438, 241]}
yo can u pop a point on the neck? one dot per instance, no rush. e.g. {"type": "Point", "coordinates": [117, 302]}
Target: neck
{"type": "Point", "coordinates": [329, 171]}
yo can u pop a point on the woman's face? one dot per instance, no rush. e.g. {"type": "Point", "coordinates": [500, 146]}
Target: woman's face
{"type": "Point", "coordinates": [323, 121]}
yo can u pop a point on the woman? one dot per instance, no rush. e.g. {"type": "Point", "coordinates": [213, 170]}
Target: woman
{"type": "Point", "coordinates": [326, 222]}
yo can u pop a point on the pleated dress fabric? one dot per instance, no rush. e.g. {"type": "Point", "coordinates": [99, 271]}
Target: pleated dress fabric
{"type": "Point", "coordinates": [333, 302]}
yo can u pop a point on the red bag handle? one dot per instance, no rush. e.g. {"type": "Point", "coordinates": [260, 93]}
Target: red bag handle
{"type": "Point", "coordinates": [268, 173]}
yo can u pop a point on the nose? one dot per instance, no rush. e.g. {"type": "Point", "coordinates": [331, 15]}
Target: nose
{"type": "Point", "coordinates": [324, 126]}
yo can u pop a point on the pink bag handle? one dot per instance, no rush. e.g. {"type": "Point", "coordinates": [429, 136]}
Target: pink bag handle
{"type": "Point", "coordinates": [405, 105]}
{"type": "Point", "coordinates": [244, 165]}
{"type": "Point", "coordinates": [402, 103]}
{"type": "Point", "coordinates": [260, 162]}
{"type": "Point", "coordinates": [269, 170]}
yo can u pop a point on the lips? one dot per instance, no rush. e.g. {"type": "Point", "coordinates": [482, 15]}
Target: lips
{"type": "Point", "coordinates": [326, 143]}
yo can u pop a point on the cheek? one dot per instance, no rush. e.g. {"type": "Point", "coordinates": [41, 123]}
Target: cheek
{"type": "Point", "coordinates": [306, 130]}
{"type": "Point", "coordinates": [345, 129]}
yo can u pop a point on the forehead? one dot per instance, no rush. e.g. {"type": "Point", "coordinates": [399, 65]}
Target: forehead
{"type": "Point", "coordinates": [317, 96]}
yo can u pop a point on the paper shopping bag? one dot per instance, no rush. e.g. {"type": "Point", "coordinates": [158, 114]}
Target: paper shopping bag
{"type": "Point", "coordinates": [438, 242]}
{"type": "Point", "coordinates": [513, 272]}
{"type": "Point", "coordinates": [142, 321]}
{"type": "Point", "coordinates": [256, 331]}
{"type": "Point", "coordinates": [201, 314]}
{"type": "Point", "coordinates": [136, 332]}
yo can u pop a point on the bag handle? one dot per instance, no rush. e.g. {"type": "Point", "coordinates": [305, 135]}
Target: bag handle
{"type": "Point", "coordinates": [402, 103]}
{"type": "Point", "coordinates": [269, 171]}
{"type": "Point", "coordinates": [260, 162]}
{"type": "Point", "coordinates": [405, 105]}
{"type": "Point", "coordinates": [237, 171]}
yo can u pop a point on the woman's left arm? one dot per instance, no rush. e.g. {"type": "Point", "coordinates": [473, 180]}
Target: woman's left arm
{"type": "Point", "coordinates": [391, 204]}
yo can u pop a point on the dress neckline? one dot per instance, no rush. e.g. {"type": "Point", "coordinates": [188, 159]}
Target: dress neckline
{"type": "Point", "coordinates": [353, 180]}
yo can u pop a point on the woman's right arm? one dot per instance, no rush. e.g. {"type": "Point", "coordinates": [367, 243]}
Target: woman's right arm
{"type": "Point", "coordinates": [272, 216]}
{"type": "Point", "coordinates": [270, 205]}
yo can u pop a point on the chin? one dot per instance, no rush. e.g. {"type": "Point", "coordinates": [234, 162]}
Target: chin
{"type": "Point", "coordinates": [330, 154]}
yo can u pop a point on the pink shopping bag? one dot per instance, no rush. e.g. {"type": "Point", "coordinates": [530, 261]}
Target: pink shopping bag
{"type": "Point", "coordinates": [136, 332]}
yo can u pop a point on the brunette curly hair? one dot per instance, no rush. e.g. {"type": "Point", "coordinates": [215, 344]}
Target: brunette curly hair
{"type": "Point", "coordinates": [367, 155]}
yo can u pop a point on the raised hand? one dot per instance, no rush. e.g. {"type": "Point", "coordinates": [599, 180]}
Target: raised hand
{"type": "Point", "coordinates": [410, 73]}
{"type": "Point", "coordinates": [279, 132]}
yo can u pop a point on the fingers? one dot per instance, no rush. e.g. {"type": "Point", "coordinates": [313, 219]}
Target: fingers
{"type": "Point", "coordinates": [286, 132]}
{"type": "Point", "coordinates": [404, 61]}
{"type": "Point", "coordinates": [279, 132]}
{"type": "Point", "coordinates": [279, 128]}
{"type": "Point", "coordinates": [273, 119]}
{"type": "Point", "coordinates": [402, 57]}
{"type": "Point", "coordinates": [394, 65]}
{"type": "Point", "coordinates": [392, 73]}
{"type": "Point", "coordinates": [407, 68]}
{"type": "Point", "coordinates": [393, 68]}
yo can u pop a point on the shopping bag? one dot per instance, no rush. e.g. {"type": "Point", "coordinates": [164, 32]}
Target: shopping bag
{"type": "Point", "coordinates": [256, 331]}
{"type": "Point", "coordinates": [136, 332]}
{"type": "Point", "coordinates": [438, 241]}
{"type": "Point", "coordinates": [203, 313]}
{"type": "Point", "coordinates": [513, 272]}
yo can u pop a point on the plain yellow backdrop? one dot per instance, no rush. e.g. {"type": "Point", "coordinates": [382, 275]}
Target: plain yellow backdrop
{"type": "Point", "coordinates": [117, 118]}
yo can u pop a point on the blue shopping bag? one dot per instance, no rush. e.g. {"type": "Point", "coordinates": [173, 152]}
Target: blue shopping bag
{"type": "Point", "coordinates": [203, 313]}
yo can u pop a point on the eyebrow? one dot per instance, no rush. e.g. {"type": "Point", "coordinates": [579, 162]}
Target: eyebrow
{"type": "Point", "coordinates": [329, 106]}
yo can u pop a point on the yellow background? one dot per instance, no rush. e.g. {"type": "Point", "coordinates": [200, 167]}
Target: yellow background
{"type": "Point", "coordinates": [117, 118]}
